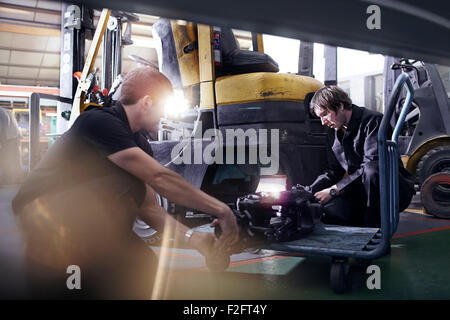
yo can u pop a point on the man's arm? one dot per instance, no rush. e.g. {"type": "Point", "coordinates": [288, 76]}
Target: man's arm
{"type": "Point", "coordinates": [334, 171]}
{"type": "Point", "coordinates": [172, 186]}
{"type": "Point", "coordinates": [370, 154]}
{"type": "Point", "coordinates": [153, 214]}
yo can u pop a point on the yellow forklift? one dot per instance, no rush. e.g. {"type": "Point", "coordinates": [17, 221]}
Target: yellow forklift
{"type": "Point", "coordinates": [227, 89]}
{"type": "Point", "coordinates": [230, 89]}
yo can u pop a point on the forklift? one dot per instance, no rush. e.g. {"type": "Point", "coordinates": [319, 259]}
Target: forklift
{"type": "Point", "coordinates": [229, 89]}
{"type": "Point", "coordinates": [425, 139]}
{"type": "Point", "coordinates": [232, 89]}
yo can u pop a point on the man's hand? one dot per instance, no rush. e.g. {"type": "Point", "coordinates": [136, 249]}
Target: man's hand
{"type": "Point", "coordinates": [230, 230]}
{"type": "Point", "coordinates": [203, 242]}
{"type": "Point", "coordinates": [324, 195]}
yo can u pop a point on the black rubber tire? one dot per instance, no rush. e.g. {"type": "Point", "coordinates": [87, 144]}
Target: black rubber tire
{"type": "Point", "coordinates": [431, 195]}
{"type": "Point", "coordinates": [435, 160]}
{"type": "Point", "coordinates": [340, 276]}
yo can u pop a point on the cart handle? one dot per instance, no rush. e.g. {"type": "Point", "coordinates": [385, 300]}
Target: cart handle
{"type": "Point", "coordinates": [388, 158]}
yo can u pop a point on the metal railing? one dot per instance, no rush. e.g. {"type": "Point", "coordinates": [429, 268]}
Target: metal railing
{"type": "Point", "coordinates": [34, 125]}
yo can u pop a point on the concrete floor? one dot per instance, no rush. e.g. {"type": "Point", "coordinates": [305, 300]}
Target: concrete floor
{"type": "Point", "coordinates": [416, 269]}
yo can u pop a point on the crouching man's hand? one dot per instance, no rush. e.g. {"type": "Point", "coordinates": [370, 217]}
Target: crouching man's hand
{"type": "Point", "coordinates": [230, 230]}
{"type": "Point", "coordinates": [203, 242]}
{"type": "Point", "coordinates": [325, 195]}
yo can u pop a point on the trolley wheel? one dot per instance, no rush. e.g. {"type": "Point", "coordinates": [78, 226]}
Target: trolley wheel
{"type": "Point", "coordinates": [217, 263]}
{"type": "Point", "coordinates": [340, 275]}
{"type": "Point", "coordinates": [363, 263]}
{"type": "Point", "coordinates": [431, 195]}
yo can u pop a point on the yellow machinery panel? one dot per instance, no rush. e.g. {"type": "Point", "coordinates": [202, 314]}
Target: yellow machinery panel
{"type": "Point", "coordinates": [187, 59]}
{"type": "Point", "coordinates": [263, 86]}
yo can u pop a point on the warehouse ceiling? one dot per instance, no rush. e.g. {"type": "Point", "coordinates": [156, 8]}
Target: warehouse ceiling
{"type": "Point", "coordinates": [407, 28]}
{"type": "Point", "coordinates": [30, 42]}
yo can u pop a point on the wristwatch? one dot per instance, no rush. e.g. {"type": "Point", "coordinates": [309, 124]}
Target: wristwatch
{"type": "Point", "coordinates": [188, 235]}
{"type": "Point", "coordinates": [333, 192]}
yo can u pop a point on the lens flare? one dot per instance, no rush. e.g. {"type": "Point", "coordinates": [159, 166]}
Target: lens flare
{"type": "Point", "coordinates": [176, 104]}
{"type": "Point", "coordinates": [272, 185]}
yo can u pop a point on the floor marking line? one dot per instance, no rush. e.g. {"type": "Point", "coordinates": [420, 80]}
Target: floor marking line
{"type": "Point", "coordinates": [418, 211]}
{"type": "Point", "coordinates": [237, 263]}
{"type": "Point", "coordinates": [178, 255]}
{"type": "Point", "coordinates": [402, 235]}
{"type": "Point", "coordinates": [425, 219]}
{"type": "Point", "coordinates": [255, 260]}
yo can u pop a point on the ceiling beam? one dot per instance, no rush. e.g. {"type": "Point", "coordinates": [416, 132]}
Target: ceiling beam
{"type": "Point", "coordinates": [11, 78]}
{"type": "Point", "coordinates": [30, 30]}
{"type": "Point", "coordinates": [31, 23]}
{"type": "Point", "coordinates": [27, 66]}
{"type": "Point", "coordinates": [30, 9]}
{"type": "Point", "coordinates": [29, 50]}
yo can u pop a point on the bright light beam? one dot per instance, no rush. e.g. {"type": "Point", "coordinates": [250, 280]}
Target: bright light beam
{"type": "Point", "coordinates": [176, 104]}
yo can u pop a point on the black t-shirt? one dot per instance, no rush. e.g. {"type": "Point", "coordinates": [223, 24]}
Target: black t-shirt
{"type": "Point", "coordinates": [80, 155]}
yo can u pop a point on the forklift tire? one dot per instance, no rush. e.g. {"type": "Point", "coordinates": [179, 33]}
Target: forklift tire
{"type": "Point", "coordinates": [340, 275]}
{"type": "Point", "coordinates": [431, 195]}
{"type": "Point", "coordinates": [435, 160]}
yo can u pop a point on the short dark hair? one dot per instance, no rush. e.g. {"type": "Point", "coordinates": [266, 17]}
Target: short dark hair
{"type": "Point", "coordinates": [142, 81]}
{"type": "Point", "coordinates": [330, 98]}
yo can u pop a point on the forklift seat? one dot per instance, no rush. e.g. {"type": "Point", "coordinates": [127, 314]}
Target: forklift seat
{"type": "Point", "coordinates": [180, 54]}
{"type": "Point", "coordinates": [237, 61]}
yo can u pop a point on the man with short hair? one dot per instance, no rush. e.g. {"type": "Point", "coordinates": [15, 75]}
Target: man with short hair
{"type": "Point", "coordinates": [349, 189]}
{"type": "Point", "coordinates": [78, 206]}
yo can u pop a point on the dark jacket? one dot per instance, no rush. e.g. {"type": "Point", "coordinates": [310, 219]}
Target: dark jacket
{"type": "Point", "coordinates": [359, 147]}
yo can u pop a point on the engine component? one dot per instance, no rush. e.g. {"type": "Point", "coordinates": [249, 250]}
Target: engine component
{"type": "Point", "coordinates": [266, 217]}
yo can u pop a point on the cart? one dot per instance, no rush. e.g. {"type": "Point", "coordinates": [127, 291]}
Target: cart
{"type": "Point", "coordinates": [363, 244]}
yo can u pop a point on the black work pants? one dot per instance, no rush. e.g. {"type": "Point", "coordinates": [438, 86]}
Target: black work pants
{"type": "Point", "coordinates": [359, 203]}
{"type": "Point", "coordinates": [89, 226]}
